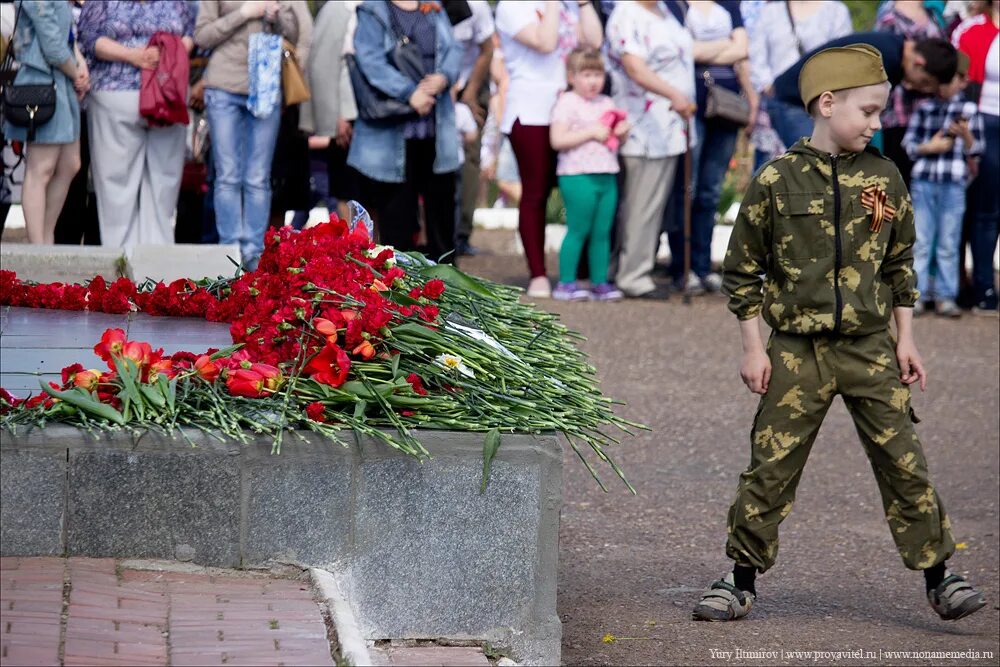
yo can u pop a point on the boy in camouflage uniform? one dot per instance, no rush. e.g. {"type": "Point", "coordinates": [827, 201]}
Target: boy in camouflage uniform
{"type": "Point", "coordinates": [822, 250]}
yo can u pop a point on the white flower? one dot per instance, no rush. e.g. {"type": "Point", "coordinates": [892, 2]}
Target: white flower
{"type": "Point", "coordinates": [454, 363]}
{"type": "Point", "coordinates": [374, 252]}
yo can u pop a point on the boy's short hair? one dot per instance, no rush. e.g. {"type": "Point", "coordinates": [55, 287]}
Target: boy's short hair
{"type": "Point", "coordinates": [941, 58]}
{"type": "Point", "coordinates": [584, 58]}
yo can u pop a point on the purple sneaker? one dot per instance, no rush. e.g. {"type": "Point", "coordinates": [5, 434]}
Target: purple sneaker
{"type": "Point", "coordinates": [606, 292]}
{"type": "Point", "coordinates": [570, 292]}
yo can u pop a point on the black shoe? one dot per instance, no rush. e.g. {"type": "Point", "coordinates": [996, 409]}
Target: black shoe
{"type": "Point", "coordinates": [464, 249]}
{"type": "Point", "coordinates": [657, 294]}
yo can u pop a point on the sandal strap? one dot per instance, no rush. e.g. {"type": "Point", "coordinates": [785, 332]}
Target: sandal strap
{"type": "Point", "coordinates": [729, 588]}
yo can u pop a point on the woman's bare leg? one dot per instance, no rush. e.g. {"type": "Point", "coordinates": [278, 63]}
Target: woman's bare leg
{"type": "Point", "coordinates": [55, 195]}
{"type": "Point", "coordinates": [40, 165]}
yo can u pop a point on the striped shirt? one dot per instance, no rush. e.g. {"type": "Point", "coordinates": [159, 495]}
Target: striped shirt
{"type": "Point", "coordinates": [932, 116]}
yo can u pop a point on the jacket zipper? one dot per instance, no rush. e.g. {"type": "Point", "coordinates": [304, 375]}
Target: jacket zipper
{"type": "Point", "coordinates": [838, 257]}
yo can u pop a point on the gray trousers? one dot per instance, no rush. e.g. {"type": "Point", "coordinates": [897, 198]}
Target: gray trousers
{"type": "Point", "coordinates": [137, 170]}
{"type": "Point", "coordinates": [643, 197]}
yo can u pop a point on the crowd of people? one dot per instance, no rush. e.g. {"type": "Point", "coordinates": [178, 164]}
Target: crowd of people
{"type": "Point", "coordinates": [632, 108]}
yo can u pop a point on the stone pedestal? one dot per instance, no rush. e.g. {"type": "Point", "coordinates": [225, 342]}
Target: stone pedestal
{"type": "Point", "coordinates": [422, 554]}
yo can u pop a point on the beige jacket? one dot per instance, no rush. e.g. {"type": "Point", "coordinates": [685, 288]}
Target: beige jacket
{"type": "Point", "coordinates": [223, 29]}
{"type": "Point", "coordinates": [329, 82]}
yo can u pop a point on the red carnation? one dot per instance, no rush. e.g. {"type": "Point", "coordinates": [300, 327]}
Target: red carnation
{"type": "Point", "coordinates": [417, 384]}
{"type": "Point", "coordinates": [314, 411]}
{"type": "Point", "coordinates": [433, 289]}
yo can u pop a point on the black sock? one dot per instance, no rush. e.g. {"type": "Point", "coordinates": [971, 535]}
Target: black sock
{"type": "Point", "coordinates": [933, 576]}
{"type": "Point", "coordinates": [743, 578]}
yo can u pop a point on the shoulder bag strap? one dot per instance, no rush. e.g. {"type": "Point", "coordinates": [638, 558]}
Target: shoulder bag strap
{"type": "Point", "coordinates": [795, 34]}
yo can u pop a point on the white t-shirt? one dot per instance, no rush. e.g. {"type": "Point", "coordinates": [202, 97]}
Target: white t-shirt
{"type": "Point", "coordinates": [465, 123]}
{"type": "Point", "coordinates": [536, 79]}
{"type": "Point", "coordinates": [989, 100]}
{"type": "Point", "coordinates": [470, 33]}
{"type": "Point", "coordinates": [668, 49]}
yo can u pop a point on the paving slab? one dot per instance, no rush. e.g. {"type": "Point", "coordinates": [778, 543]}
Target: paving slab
{"type": "Point", "coordinates": [107, 628]}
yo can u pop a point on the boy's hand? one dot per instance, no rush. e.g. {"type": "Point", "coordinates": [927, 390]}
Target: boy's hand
{"type": "Point", "coordinates": [939, 143]}
{"type": "Point", "coordinates": [755, 370]}
{"type": "Point", "coordinates": [622, 128]}
{"type": "Point", "coordinates": [910, 364]}
{"type": "Point", "coordinates": [960, 128]}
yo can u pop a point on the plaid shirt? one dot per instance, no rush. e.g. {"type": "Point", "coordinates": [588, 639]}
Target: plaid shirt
{"type": "Point", "coordinates": [928, 118]}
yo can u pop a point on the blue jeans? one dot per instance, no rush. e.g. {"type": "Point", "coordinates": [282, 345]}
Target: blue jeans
{"type": "Point", "coordinates": [709, 163]}
{"type": "Point", "coordinates": [938, 209]}
{"type": "Point", "coordinates": [986, 219]}
{"type": "Point", "coordinates": [242, 148]}
{"type": "Point", "coordinates": [790, 121]}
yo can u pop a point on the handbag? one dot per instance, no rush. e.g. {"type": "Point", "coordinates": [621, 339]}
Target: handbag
{"type": "Point", "coordinates": [723, 104]}
{"type": "Point", "coordinates": [372, 103]}
{"type": "Point", "coordinates": [25, 105]}
{"type": "Point", "coordinates": [293, 81]}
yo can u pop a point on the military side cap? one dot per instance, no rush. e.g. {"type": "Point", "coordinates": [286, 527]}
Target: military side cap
{"type": "Point", "coordinates": [840, 67]}
{"type": "Point", "coordinates": [963, 63]}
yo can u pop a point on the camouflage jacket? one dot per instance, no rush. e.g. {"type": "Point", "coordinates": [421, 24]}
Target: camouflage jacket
{"type": "Point", "coordinates": [812, 258]}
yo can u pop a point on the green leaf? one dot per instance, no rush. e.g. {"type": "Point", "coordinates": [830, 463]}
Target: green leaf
{"type": "Point", "coordinates": [172, 394]}
{"type": "Point", "coordinates": [452, 276]}
{"type": "Point", "coordinates": [359, 410]}
{"type": "Point", "coordinates": [226, 351]}
{"type": "Point", "coordinates": [128, 371]}
{"type": "Point", "coordinates": [394, 365]}
{"type": "Point", "coordinates": [490, 447]}
{"type": "Point", "coordinates": [84, 402]}
{"type": "Point", "coordinates": [153, 395]}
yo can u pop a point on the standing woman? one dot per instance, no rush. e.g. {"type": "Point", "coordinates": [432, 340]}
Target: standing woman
{"type": "Point", "coordinates": [783, 33]}
{"type": "Point", "coordinates": [242, 144]}
{"type": "Point", "coordinates": [720, 41]}
{"type": "Point", "coordinates": [46, 50]}
{"type": "Point", "coordinates": [653, 78]}
{"type": "Point", "coordinates": [137, 168]}
{"type": "Point", "coordinates": [536, 37]}
{"type": "Point", "coordinates": [401, 161]}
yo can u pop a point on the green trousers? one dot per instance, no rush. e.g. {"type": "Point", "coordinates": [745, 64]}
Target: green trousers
{"type": "Point", "coordinates": [590, 201]}
{"type": "Point", "coordinates": [807, 372]}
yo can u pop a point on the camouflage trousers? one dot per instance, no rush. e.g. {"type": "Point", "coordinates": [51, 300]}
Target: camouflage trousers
{"type": "Point", "coordinates": [807, 372]}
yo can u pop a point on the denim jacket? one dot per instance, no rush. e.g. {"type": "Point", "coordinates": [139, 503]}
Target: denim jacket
{"type": "Point", "coordinates": [41, 44]}
{"type": "Point", "coordinates": [378, 149]}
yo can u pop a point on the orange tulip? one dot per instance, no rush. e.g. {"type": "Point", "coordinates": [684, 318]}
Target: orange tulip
{"type": "Point", "coordinates": [206, 368]}
{"type": "Point", "coordinates": [87, 379]}
{"type": "Point", "coordinates": [365, 350]}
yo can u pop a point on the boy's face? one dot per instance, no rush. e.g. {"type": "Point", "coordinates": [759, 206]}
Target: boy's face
{"type": "Point", "coordinates": [957, 85]}
{"type": "Point", "coordinates": [587, 83]}
{"type": "Point", "coordinates": [853, 115]}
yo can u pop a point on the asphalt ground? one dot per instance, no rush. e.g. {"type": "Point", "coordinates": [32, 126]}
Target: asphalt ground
{"type": "Point", "coordinates": [632, 568]}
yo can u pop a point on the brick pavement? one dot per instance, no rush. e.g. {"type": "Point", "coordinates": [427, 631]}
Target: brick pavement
{"type": "Point", "coordinates": [117, 616]}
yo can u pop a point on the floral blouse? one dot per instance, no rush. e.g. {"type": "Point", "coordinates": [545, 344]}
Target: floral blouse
{"type": "Point", "coordinates": [668, 49]}
{"type": "Point", "coordinates": [130, 23]}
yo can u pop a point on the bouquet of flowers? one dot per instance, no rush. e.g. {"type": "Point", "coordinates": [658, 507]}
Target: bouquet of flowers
{"type": "Point", "coordinates": [331, 332]}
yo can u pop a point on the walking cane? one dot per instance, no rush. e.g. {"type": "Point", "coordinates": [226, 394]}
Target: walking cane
{"type": "Point", "coordinates": [687, 211]}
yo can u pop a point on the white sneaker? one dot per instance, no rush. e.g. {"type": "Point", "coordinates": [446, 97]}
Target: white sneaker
{"type": "Point", "coordinates": [693, 286]}
{"type": "Point", "coordinates": [539, 288]}
{"type": "Point", "coordinates": [712, 282]}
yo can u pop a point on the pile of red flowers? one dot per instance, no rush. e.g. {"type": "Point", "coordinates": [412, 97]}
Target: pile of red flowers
{"type": "Point", "coordinates": [318, 298]}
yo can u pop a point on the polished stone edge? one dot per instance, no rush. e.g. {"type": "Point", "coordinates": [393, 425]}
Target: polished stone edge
{"type": "Point", "coordinates": [293, 476]}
